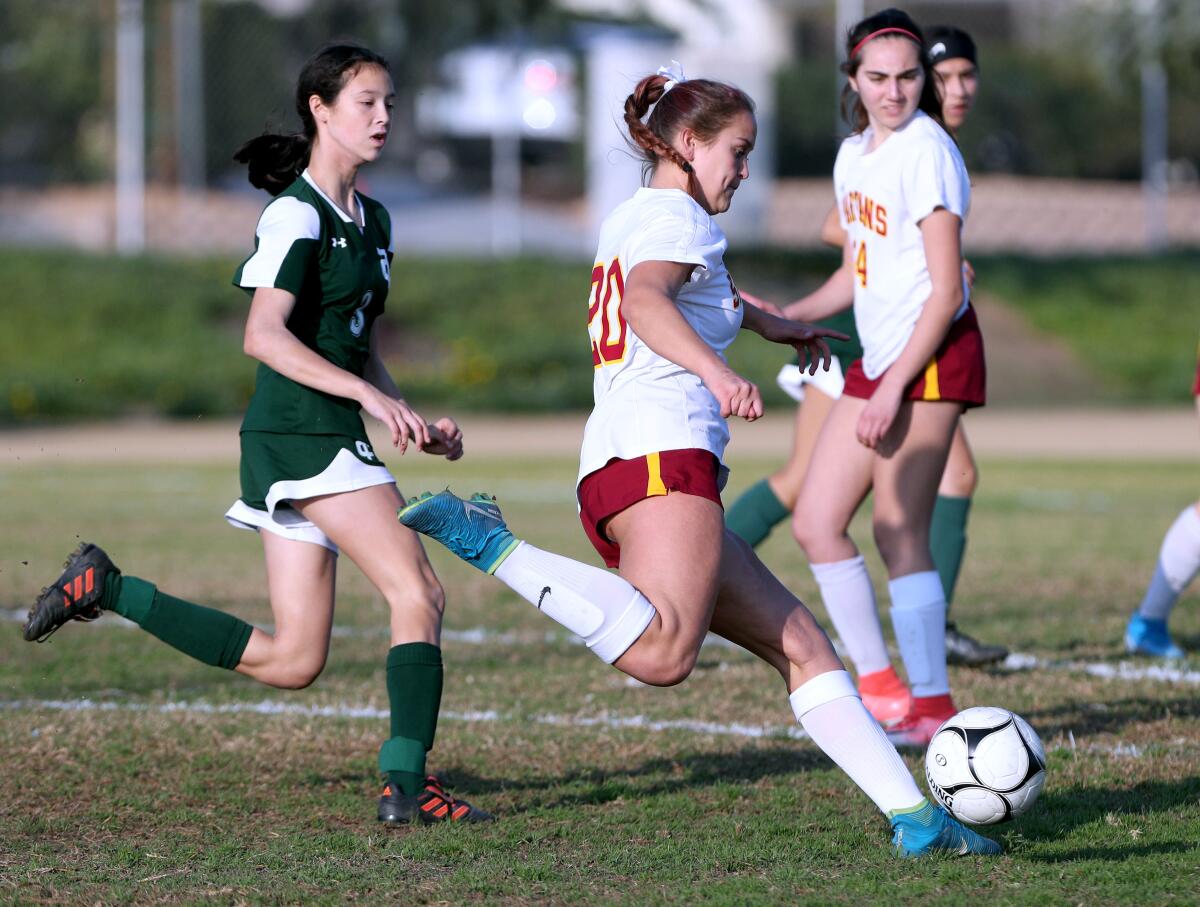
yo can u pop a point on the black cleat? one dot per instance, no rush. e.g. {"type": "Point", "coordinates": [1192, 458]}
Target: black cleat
{"type": "Point", "coordinates": [431, 805]}
{"type": "Point", "coordinates": [962, 649]}
{"type": "Point", "coordinates": [74, 596]}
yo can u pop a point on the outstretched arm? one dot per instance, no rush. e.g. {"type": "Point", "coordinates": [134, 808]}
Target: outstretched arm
{"type": "Point", "coordinates": [807, 339]}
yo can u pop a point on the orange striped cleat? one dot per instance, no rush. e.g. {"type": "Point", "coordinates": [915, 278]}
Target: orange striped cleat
{"type": "Point", "coordinates": [75, 595]}
{"type": "Point", "coordinates": [427, 807]}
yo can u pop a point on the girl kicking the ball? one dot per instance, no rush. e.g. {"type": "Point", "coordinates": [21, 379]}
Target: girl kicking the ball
{"type": "Point", "coordinates": [662, 310]}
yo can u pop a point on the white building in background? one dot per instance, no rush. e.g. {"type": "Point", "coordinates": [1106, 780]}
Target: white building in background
{"type": "Point", "coordinates": [740, 42]}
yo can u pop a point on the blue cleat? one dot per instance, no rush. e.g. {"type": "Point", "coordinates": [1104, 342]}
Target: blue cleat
{"type": "Point", "coordinates": [931, 830]}
{"type": "Point", "coordinates": [1150, 637]}
{"type": "Point", "coordinates": [473, 529]}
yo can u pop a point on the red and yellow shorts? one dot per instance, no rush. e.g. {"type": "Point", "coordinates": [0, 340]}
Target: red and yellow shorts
{"type": "Point", "coordinates": [956, 372]}
{"type": "Point", "coordinates": [622, 483]}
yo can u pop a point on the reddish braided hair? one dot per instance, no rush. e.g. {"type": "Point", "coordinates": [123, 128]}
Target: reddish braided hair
{"type": "Point", "coordinates": [704, 106]}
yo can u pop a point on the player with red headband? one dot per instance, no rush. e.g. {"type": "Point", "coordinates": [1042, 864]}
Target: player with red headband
{"type": "Point", "coordinates": [769, 501]}
{"type": "Point", "coordinates": [903, 194]}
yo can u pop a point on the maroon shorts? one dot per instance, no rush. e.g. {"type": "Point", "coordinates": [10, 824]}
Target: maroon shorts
{"type": "Point", "coordinates": [1196, 383]}
{"type": "Point", "coordinates": [622, 483]}
{"type": "Point", "coordinates": [956, 372]}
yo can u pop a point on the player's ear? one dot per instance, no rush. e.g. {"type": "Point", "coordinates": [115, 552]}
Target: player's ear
{"type": "Point", "coordinates": [686, 141]}
{"type": "Point", "coordinates": [317, 107]}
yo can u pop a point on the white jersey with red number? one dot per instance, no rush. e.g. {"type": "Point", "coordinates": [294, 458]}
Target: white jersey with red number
{"type": "Point", "coordinates": [883, 195]}
{"type": "Point", "coordinates": [645, 403]}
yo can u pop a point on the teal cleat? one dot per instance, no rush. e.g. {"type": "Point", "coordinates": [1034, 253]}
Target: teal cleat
{"type": "Point", "coordinates": [1150, 637]}
{"type": "Point", "coordinates": [931, 830]}
{"type": "Point", "coordinates": [473, 529]}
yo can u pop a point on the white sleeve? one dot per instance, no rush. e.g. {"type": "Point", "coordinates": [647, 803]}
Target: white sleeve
{"type": "Point", "coordinates": [675, 236]}
{"type": "Point", "coordinates": [934, 176]}
{"type": "Point", "coordinates": [287, 234]}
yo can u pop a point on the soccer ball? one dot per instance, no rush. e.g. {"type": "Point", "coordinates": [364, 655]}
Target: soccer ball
{"type": "Point", "coordinates": [985, 765]}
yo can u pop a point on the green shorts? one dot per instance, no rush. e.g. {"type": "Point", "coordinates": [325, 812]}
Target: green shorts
{"type": "Point", "coordinates": [279, 468]}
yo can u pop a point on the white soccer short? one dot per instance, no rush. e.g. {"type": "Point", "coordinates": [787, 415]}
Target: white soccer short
{"type": "Point", "coordinates": [791, 380]}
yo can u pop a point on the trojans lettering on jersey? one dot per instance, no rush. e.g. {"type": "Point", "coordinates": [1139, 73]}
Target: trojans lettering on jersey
{"type": "Point", "coordinates": [856, 206]}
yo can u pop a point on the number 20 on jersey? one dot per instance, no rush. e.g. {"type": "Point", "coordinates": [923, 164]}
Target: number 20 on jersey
{"type": "Point", "coordinates": [608, 286]}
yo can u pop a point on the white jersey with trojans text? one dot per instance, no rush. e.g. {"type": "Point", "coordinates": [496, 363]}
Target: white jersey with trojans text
{"type": "Point", "coordinates": [883, 195]}
{"type": "Point", "coordinates": [644, 402]}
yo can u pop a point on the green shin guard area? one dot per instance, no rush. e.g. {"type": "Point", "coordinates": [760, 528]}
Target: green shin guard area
{"type": "Point", "coordinates": [948, 539]}
{"type": "Point", "coordinates": [208, 635]}
{"type": "Point", "coordinates": [414, 685]}
{"type": "Point", "coordinates": [756, 513]}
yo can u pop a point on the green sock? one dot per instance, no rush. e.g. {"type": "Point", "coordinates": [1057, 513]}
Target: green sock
{"type": "Point", "coordinates": [414, 685]}
{"type": "Point", "coordinates": [948, 539]}
{"type": "Point", "coordinates": [756, 513]}
{"type": "Point", "coordinates": [208, 635]}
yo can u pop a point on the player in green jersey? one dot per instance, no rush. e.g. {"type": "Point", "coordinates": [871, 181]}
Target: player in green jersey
{"type": "Point", "coordinates": [311, 483]}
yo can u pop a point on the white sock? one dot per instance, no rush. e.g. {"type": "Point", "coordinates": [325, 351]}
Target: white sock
{"type": "Point", "coordinates": [850, 601]}
{"type": "Point", "coordinates": [919, 619]}
{"type": "Point", "coordinates": [828, 708]}
{"type": "Point", "coordinates": [609, 613]}
{"type": "Point", "coordinates": [1178, 564]}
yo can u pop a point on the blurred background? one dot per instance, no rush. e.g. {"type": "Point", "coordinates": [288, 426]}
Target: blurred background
{"type": "Point", "coordinates": [122, 213]}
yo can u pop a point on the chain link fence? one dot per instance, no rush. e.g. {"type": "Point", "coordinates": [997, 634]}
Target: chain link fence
{"type": "Point", "coordinates": [211, 73]}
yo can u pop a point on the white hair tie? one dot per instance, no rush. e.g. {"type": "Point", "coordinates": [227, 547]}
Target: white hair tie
{"type": "Point", "coordinates": [674, 74]}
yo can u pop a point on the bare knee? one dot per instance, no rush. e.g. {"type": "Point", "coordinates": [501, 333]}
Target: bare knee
{"type": "Point", "coordinates": [669, 671]}
{"type": "Point", "coordinates": [425, 598]}
{"type": "Point", "coordinates": [663, 661]}
{"type": "Point", "coordinates": [294, 672]}
{"type": "Point", "coordinates": [806, 534]}
{"type": "Point", "coordinates": [819, 544]}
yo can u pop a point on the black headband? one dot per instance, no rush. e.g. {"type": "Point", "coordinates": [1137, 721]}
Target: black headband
{"type": "Point", "coordinates": [945, 42]}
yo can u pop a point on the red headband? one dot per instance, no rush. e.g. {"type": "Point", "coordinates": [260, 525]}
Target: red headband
{"type": "Point", "coordinates": [883, 31]}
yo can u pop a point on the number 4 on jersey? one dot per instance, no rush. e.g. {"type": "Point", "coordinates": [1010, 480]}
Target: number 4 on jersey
{"type": "Point", "coordinates": [860, 263]}
{"type": "Point", "coordinates": [608, 287]}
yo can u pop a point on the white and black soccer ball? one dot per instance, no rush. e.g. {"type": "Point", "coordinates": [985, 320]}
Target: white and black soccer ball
{"type": "Point", "coordinates": [985, 765]}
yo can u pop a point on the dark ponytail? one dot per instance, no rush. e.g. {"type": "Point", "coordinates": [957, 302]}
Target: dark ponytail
{"type": "Point", "coordinates": [274, 160]}
{"type": "Point", "coordinates": [893, 23]}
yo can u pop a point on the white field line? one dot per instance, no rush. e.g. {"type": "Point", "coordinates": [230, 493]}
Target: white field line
{"type": "Point", "coordinates": [479, 636]}
{"type": "Point", "coordinates": [1016, 661]}
{"type": "Point", "coordinates": [1121, 670]}
{"type": "Point", "coordinates": [276, 708]}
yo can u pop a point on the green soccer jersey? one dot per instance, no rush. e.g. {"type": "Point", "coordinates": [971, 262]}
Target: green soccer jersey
{"type": "Point", "coordinates": [339, 275]}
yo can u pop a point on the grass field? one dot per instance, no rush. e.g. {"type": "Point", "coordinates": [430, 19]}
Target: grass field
{"type": "Point", "coordinates": [132, 774]}
{"type": "Point", "coordinates": [164, 335]}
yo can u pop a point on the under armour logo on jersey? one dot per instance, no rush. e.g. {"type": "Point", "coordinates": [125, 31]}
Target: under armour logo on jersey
{"type": "Point", "coordinates": [364, 450]}
{"type": "Point", "coordinates": [339, 242]}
